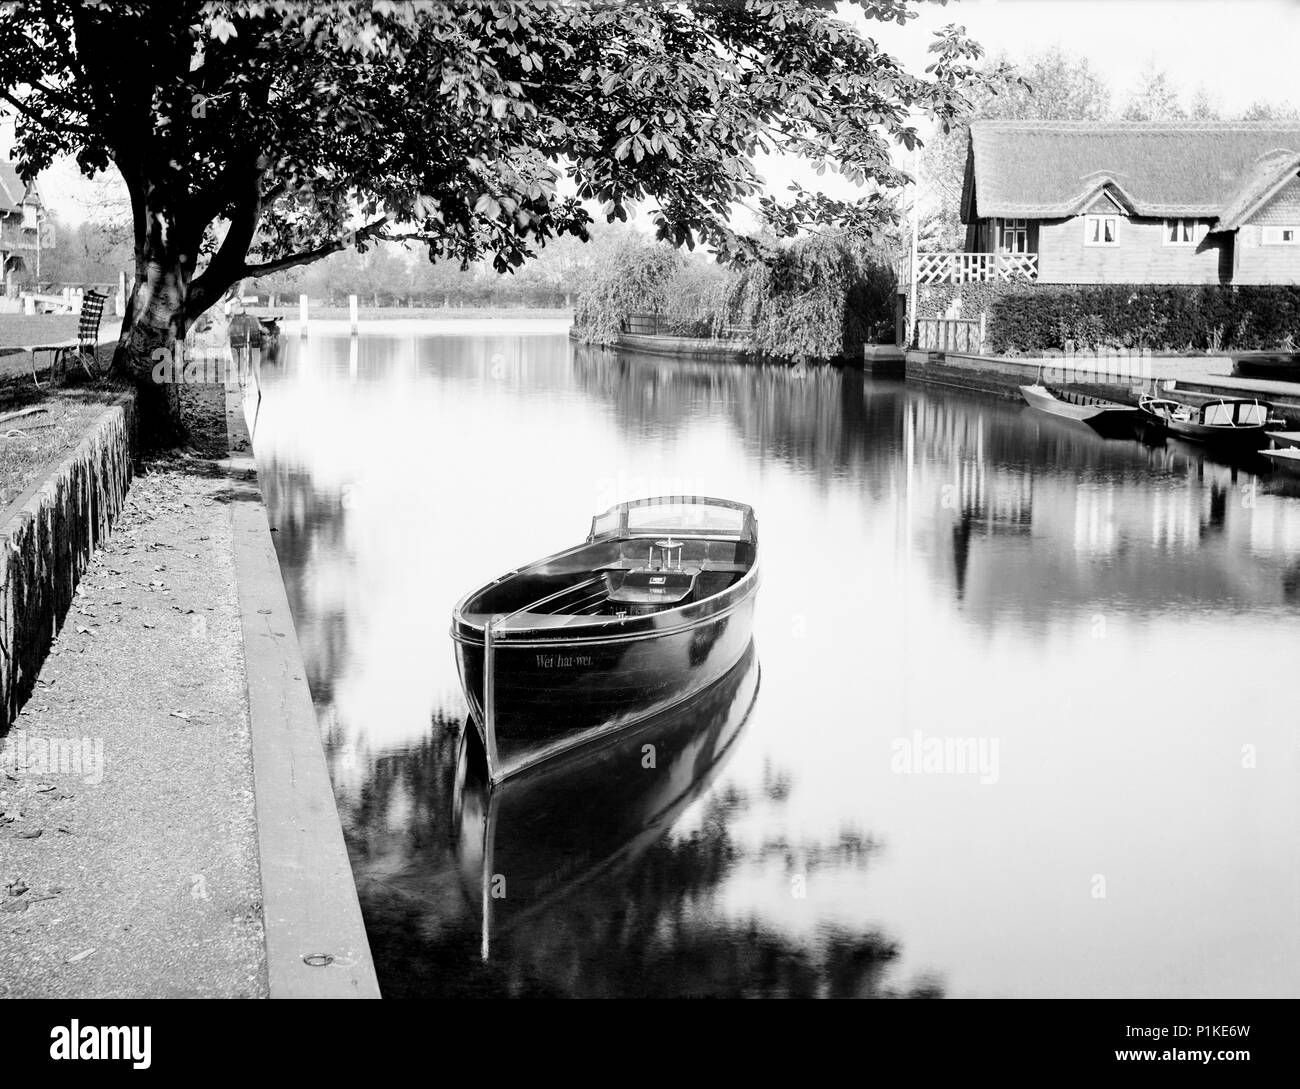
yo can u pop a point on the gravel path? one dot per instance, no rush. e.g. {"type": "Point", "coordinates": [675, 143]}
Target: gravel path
{"type": "Point", "coordinates": [128, 860]}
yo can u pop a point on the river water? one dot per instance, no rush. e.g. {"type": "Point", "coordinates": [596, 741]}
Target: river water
{"type": "Point", "coordinates": [1020, 720]}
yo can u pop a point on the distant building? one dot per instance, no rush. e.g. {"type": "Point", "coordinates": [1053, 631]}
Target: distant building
{"type": "Point", "coordinates": [1083, 202]}
{"type": "Point", "coordinates": [20, 208]}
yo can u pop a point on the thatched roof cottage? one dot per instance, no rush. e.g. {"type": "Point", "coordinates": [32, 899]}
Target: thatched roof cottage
{"type": "Point", "coordinates": [1082, 202]}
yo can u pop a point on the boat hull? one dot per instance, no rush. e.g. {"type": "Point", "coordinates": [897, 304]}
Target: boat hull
{"type": "Point", "coordinates": [1287, 460]}
{"type": "Point", "coordinates": [1100, 417]}
{"type": "Point", "coordinates": [1286, 439]}
{"type": "Point", "coordinates": [1244, 438]}
{"type": "Point", "coordinates": [551, 692]}
{"type": "Point", "coordinates": [1276, 365]}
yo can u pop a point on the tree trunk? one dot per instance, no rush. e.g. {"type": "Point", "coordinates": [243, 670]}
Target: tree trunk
{"type": "Point", "coordinates": [151, 332]}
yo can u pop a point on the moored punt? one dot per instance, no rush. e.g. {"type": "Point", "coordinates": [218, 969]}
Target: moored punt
{"type": "Point", "coordinates": [1223, 420]}
{"type": "Point", "coordinates": [653, 607]}
{"type": "Point", "coordinates": [1097, 412]}
{"type": "Point", "coordinates": [1288, 459]}
{"type": "Point", "coordinates": [1266, 364]}
{"type": "Point", "coordinates": [1285, 438]}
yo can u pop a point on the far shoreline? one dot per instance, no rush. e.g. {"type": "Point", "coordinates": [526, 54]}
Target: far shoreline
{"type": "Point", "coordinates": [378, 314]}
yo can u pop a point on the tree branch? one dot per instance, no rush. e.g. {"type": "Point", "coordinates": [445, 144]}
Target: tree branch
{"type": "Point", "coordinates": [45, 123]}
{"type": "Point", "coordinates": [373, 230]}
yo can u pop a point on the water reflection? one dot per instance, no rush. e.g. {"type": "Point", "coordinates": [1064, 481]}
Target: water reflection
{"type": "Point", "coordinates": [934, 562]}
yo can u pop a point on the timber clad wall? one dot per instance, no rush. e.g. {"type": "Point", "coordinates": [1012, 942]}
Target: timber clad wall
{"type": "Point", "coordinates": [1258, 263]}
{"type": "Point", "coordinates": [47, 539]}
{"type": "Point", "coordinates": [1141, 257]}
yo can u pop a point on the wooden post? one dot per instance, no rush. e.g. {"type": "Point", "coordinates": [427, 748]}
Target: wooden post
{"type": "Point", "coordinates": [983, 328]}
{"type": "Point", "coordinates": [302, 314]}
{"type": "Point", "coordinates": [352, 313]}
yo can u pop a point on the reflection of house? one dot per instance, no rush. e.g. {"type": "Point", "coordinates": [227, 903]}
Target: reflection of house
{"type": "Point", "coordinates": [1081, 202]}
{"type": "Point", "coordinates": [20, 205]}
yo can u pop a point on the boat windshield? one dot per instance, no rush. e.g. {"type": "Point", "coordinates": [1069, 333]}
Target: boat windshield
{"type": "Point", "coordinates": [684, 515]}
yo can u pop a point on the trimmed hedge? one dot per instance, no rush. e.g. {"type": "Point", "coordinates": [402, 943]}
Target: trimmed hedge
{"type": "Point", "coordinates": [1030, 319]}
{"type": "Point", "coordinates": [934, 300]}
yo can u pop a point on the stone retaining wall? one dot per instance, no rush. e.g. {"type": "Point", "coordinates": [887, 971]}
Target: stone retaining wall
{"type": "Point", "coordinates": [47, 537]}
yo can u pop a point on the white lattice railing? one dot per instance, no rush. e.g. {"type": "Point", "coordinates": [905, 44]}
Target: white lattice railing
{"type": "Point", "coordinates": [966, 268]}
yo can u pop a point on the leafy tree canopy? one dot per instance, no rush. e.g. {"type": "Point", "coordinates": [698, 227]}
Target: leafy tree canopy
{"type": "Point", "coordinates": [254, 136]}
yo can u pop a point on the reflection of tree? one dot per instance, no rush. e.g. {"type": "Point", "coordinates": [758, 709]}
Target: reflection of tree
{"type": "Point", "coordinates": [823, 419]}
{"type": "Point", "coordinates": [648, 924]}
{"type": "Point", "coordinates": [654, 928]}
{"type": "Point", "coordinates": [309, 541]}
{"type": "Point", "coordinates": [1093, 519]}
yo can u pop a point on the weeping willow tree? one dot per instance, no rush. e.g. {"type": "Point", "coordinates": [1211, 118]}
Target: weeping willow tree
{"type": "Point", "coordinates": [823, 297]}
{"type": "Point", "coordinates": [634, 277]}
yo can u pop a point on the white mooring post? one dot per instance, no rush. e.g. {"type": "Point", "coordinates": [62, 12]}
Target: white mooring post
{"type": "Point", "coordinates": [302, 314]}
{"type": "Point", "coordinates": [352, 313]}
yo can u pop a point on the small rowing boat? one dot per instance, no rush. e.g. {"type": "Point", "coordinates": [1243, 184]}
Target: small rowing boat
{"type": "Point", "coordinates": [1096, 412]}
{"type": "Point", "coordinates": [1236, 420]}
{"type": "Point", "coordinates": [652, 608]}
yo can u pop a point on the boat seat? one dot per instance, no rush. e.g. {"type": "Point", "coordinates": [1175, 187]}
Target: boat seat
{"type": "Point", "coordinates": [660, 589]}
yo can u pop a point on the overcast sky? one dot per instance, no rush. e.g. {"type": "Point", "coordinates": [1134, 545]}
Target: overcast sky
{"type": "Point", "coordinates": [1240, 51]}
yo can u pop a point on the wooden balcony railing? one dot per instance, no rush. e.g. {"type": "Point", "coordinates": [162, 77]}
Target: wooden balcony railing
{"type": "Point", "coordinates": [968, 268]}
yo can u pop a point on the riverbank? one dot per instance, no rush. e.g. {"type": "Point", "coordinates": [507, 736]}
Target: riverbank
{"type": "Point", "coordinates": [167, 827]}
{"type": "Point", "coordinates": [1193, 378]}
{"type": "Point", "coordinates": [129, 855]}
{"type": "Point", "coordinates": [288, 312]}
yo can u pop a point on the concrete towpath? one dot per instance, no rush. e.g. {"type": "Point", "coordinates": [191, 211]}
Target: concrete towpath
{"type": "Point", "coordinates": [128, 851]}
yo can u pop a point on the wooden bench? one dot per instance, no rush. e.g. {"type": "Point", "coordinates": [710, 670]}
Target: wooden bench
{"type": "Point", "coordinates": [86, 344]}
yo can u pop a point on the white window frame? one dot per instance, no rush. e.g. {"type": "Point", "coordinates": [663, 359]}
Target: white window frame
{"type": "Point", "coordinates": [1012, 227]}
{"type": "Point", "coordinates": [1100, 217]}
{"type": "Point", "coordinates": [1272, 235]}
{"type": "Point", "coordinates": [1199, 229]}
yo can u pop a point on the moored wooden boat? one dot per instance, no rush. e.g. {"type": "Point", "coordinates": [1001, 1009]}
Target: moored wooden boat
{"type": "Point", "coordinates": [653, 607]}
{"type": "Point", "coordinates": [1278, 365]}
{"type": "Point", "coordinates": [1288, 459]}
{"type": "Point", "coordinates": [1236, 420]}
{"type": "Point", "coordinates": [1097, 412]}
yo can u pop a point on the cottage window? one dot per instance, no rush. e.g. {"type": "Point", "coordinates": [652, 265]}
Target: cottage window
{"type": "Point", "coordinates": [1013, 236]}
{"type": "Point", "coordinates": [1281, 236]}
{"type": "Point", "coordinates": [1184, 232]}
{"type": "Point", "coordinates": [1101, 230]}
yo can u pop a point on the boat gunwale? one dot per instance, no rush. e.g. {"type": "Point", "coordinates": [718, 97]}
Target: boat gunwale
{"type": "Point", "coordinates": [602, 629]}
